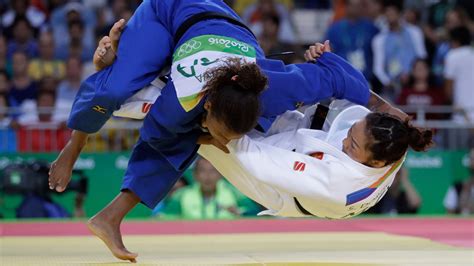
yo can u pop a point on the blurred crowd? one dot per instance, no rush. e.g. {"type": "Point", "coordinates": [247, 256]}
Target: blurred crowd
{"type": "Point", "coordinates": [415, 53]}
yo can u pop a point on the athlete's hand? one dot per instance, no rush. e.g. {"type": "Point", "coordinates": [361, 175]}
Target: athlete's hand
{"type": "Point", "coordinates": [106, 51]}
{"type": "Point", "coordinates": [207, 139]}
{"type": "Point", "coordinates": [315, 51]}
{"type": "Point", "coordinates": [61, 169]}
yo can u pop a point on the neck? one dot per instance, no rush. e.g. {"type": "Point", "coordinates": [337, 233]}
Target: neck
{"type": "Point", "coordinates": [394, 26]}
{"type": "Point", "coordinates": [209, 193]}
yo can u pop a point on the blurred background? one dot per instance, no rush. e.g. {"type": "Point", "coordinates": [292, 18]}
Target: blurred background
{"type": "Point", "coordinates": [418, 54]}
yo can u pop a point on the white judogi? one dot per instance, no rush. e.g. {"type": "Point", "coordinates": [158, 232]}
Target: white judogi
{"type": "Point", "coordinates": [331, 186]}
{"type": "Point", "coordinates": [139, 104]}
{"type": "Point", "coordinates": [276, 168]}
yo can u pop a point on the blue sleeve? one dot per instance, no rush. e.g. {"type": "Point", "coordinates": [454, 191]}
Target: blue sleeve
{"type": "Point", "coordinates": [294, 85]}
{"type": "Point", "coordinates": [337, 78]}
{"type": "Point", "coordinates": [145, 47]}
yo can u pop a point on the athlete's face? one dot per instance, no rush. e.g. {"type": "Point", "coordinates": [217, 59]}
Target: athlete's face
{"type": "Point", "coordinates": [217, 129]}
{"type": "Point", "coordinates": [356, 145]}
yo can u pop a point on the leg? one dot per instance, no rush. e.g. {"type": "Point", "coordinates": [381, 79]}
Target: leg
{"type": "Point", "coordinates": [106, 224]}
{"type": "Point", "coordinates": [148, 179]}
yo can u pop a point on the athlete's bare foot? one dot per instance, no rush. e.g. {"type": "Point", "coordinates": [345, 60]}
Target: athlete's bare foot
{"type": "Point", "coordinates": [104, 55]}
{"type": "Point", "coordinates": [110, 234]}
{"type": "Point", "coordinates": [106, 51]}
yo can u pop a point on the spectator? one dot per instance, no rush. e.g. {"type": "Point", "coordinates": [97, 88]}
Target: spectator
{"type": "Point", "coordinates": [83, 23]}
{"type": "Point", "coordinates": [395, 48]}
{"type": "Point", "coordinates": [437, 12]}
{"type": "Point", "coordinates": [208, 198]}
{"type": "Point", "coordinates": [46, 65]}
{"type": "Point", "coordinates": [69, 87]}
{"type": "Point", "coordinates": [373, 10]}
{"type": "Point", "coordinates": [23, 40]}
{"type": "Point", "coordinates": [412, 16]}
{"type": "Point", "coordinates": [351, 38]}
{"type": "Point", "coordinates": [7, 134]}
{"type": "Point", "coordinates": [4, 82]}
{"type": "Point", "coordinates": [43, 109]}
{"type": "Point", "coordinates": [39, 130]}
{"type": "Point", "coordinates": [401, 198]}
{"type": "Point", "coordinates": [5, 87]}
{"type": "Point", "coordinates": [23, 87]}
{"type": "Point", "coordinates": [181, 183]}
{"type": "Point", "coordinates": [23, 8]}
{"type": "Point", "coordinates": [458, 73]}
{"type": "Point", "coordinates": [315, 4]}
{"type": "Point", "coordinates": [76, 46]}
{"type": "Point", "coordinates": [268, 39]}
{"type": "Point", "coordinates": [420, 90]}
{"type": "Point", "coordinates": [459, 198]}
{"type": "Point", "coordinates": [3, 53]}
{"type": "Point", "coordinates": [454, 18]}
{"type": "Point", "coordinates": [108, 16]}
{"type": "Point", "coordinates": [254, 14]}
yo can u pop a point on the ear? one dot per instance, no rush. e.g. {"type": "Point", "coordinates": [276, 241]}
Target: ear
{"type": "Point", "coordinates": [377, 163]}
{"type": "Point", "coordinates": [207, 105]}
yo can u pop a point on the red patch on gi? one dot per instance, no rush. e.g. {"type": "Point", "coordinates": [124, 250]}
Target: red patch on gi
{"type": "Point", "coordinates": [146, 107]}
{"type": "Point", "coordinates": [299, 166]}
{"type": "Point", "coordinates": [318, 155]}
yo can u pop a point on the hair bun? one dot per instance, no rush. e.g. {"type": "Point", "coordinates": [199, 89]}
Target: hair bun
{"type": "Point", "coordinates": [419, 139]}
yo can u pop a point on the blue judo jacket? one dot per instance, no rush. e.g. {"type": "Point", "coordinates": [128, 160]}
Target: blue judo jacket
{"type": "Point", "coordinates": [146, 47]}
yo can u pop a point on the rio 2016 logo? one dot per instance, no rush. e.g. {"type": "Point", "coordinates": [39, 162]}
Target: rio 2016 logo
{"type": "Point", "coordinates": [188, 47]}
{"type": "Point", "coordinates": [229, 43]}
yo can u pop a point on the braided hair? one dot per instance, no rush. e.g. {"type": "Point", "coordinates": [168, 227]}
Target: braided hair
{"type": "Point", "coordinates": [391, 137]}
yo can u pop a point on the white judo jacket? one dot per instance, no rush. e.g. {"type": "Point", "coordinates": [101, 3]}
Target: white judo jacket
{"type": "Point", "coordinates": [294, 162]}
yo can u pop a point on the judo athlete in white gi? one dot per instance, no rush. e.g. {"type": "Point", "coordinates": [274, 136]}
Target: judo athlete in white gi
{"type": "Point", "coordinates": [295, 171]}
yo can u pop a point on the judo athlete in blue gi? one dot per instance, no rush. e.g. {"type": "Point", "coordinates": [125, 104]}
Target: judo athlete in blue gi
{"type": "Point", "coordinates": [218, 73]}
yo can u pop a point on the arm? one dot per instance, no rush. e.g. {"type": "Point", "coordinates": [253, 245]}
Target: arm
{"type": "Point", "coordinates": [332, 76]}
{"type": "Point", "coordinates": [375, 103]}
{"type": "Point", "coordinates": [353, 82]}
{"type": "Point", "coordinates": [145, 47]}
{"type": "Point", "coordinates": [378, 104]}
{"type": "Point", "coordinates": [379, 58]}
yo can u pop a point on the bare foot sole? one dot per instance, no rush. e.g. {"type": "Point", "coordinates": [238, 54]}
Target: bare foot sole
{"type": "Point", "coordinates": [111, 238]}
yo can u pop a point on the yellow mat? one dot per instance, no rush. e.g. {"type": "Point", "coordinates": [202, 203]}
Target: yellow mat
{"type": "Point", "coordinates": [242, 249]}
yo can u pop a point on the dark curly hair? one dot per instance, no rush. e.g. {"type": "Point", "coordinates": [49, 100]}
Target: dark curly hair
{"type": "Point", "coordinates": [391, 137]}
{"type": "Point", "coordinates": [233, 89]}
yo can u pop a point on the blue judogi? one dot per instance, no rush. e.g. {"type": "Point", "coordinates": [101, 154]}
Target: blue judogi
{"type": "Point", "coordinates": [168, 137]}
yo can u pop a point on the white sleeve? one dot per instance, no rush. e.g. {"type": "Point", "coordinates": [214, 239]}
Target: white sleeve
{"type": "Point", "coordinates": [449, 66]}
{"type": "Point", "coordinates": [291, 172]}
{"type": "Point", "coordinates": [379, 59]}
